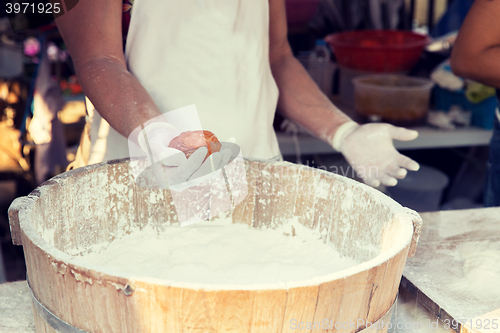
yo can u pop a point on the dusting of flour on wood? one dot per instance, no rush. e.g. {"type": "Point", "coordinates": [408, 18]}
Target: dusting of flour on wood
{"type": "Point", "coordinates": [220, 252]}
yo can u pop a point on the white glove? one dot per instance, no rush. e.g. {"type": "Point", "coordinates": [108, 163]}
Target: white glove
{"type": "Point", "coordinates": [155, 138]}
{"type": "Point", "coordinates": [213, 163]}
{"type": "Point", "coordinates": [370, 151]}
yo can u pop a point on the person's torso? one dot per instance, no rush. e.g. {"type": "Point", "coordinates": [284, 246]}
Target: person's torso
{"type": "Point", "coordinates": [214, 54]}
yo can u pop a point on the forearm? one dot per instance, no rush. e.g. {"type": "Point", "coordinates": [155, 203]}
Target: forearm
{"type": "Point", "coordinates": [303, 102]}
{"type": "Point", "coordinates": [116, 94]}
{"type": "Point", "coordinates": [476, 52]}
{"type": "Point", "coordinates": [483, 67]}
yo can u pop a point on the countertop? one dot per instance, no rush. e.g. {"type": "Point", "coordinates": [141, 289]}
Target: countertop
{"type": "Point", "coordinates": [455, 245]}
{"type": "Point", "coordinates": [15, 308]}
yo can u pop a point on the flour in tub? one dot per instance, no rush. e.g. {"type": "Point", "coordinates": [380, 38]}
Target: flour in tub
{"type": "Point", "coordinates": [220, 252]}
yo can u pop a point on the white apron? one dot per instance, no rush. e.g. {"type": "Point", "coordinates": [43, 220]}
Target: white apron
{"type": "Point", "coordinates": [211, 53]}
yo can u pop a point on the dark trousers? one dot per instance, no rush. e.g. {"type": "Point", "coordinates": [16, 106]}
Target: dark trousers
{"type": "Point", "coordinates": [492, 188]}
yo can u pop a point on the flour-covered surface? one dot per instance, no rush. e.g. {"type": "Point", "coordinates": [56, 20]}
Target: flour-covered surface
{"type": "Point", "coordinates": [220, 252]}
{"type": "Point", "coordinates": [16, 314]}
{"type": "Point", "coordinates": [456, 270]}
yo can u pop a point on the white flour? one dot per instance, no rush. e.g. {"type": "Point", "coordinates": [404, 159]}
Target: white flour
{"type": "Point", "coordinates": [220, 253]}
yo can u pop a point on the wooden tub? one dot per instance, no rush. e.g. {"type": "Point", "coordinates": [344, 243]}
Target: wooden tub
{"type": "Point", "coordinates": [99, 203]}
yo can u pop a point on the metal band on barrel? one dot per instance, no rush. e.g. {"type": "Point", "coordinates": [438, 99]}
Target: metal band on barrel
{"type": "Point", "coordinates": [382, 323]}
{"type": "Point", "coordinates": [55, 322]}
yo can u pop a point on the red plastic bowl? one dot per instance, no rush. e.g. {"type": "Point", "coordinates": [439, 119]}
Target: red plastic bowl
{"type": "Point", "coordinates": [299, 12]}
{"type": "Point", "coordinates": [381, 51]}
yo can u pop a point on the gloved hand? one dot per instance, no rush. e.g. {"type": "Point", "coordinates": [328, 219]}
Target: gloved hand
{"type": "Point", "coordinates": [155, 138]}
{"type": "Point", "coordinates": [169, 165]}
{"type": "Point", "coordinates": [370, 151]}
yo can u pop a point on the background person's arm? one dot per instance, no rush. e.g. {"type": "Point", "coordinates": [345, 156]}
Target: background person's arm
{"type": "Point", "coordinates": [476, 52]}
{"type": "Point", "coordinates": [92, 33]}
{"type": "Point", "coordinates": [300, 98]}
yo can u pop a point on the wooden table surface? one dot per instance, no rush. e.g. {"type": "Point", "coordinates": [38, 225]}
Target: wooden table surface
{"type": "Point", "coordinates": [450, 240]}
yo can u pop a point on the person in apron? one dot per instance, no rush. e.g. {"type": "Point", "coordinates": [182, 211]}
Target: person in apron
{"type": "Point", "coordinates": [230, 58]}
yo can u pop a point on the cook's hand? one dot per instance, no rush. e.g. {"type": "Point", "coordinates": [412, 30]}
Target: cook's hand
{"type": "Point", "coordinates": [214, 162]}
{"type": "Point", "coordinates": [169, 165]}
{"type": "Point", "coordinates": [154, 140]}
{"type": "Point", "coordinates": [370, 151]}
{"type": "Point", "coordinates": [178, 172]}
{"type": "Point", "coordinates": [176, 169]}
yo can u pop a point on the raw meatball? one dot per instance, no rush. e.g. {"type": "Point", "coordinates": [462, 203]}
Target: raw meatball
{"type": "Point", "coordinates": [189, 141]}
